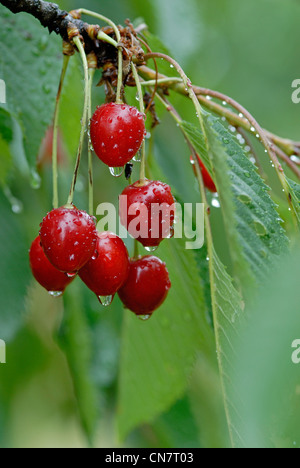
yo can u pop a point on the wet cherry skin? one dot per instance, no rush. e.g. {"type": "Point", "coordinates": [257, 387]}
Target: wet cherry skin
{"type": "Point", "coordinates": [147, 285]}
{"type": "Point", "coordinates": [117, 132]}
{"type": "Point", "coordinates": [68, 237]}
{"type": "Point", "coordinates": [141, 202]}
{"type": "Point", "coordinates": [108, 268]}
{"type": "Point", "coordinates": [44, 272]}
{"type": "Point", "coordinates": [207, 180]}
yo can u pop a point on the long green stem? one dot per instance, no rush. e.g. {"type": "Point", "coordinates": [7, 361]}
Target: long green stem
{"type": "Point", "coordinates": [142, 109]}
{"type": "Point", "coordinates": [83, 11]}
{"type": "Point", "coordinates": [107, 38]}
{"type": "Point", "coordinates": [162, 81]}
{"type": "Point", "coordinates": [66, 59]}
{"type": "Point", "coordinates": [90, 152]}
{"type": "Point", "coordinates": [80, 47]}
{"type": "Point", "coordinates": [120, 75]}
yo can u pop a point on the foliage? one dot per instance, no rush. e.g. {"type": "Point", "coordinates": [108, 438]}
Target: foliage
{"type": "Point", "coordinates": [160, 382]}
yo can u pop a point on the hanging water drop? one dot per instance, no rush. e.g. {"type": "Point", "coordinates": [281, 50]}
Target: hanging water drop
{"type": "Point", "coordinates": [71, 275]}
{"type": "Point", "coordinates": [138, 156]}
{"type": "Point", "coordinates": [116, 171]}
{"type": "Point", "coordinates": [105, 300]}
{"type": "Point", "coordinates": [35, 180]}
{"type": "Point", "coordinates": [16, 205]}
{"type": "Point", "coordinates": [144, 318]}
{"type": "Point", "coordinates": [56, 293]}
{"type": "Point", "coordinates": [215, 201]}
{"type": "Point", "coordinates": [151, 249]}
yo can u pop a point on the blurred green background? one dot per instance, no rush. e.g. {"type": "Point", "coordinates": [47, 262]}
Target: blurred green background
{"type": "Point", "coordinates": [248, 50]}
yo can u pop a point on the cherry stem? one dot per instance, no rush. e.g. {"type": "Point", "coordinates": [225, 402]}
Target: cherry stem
{"type": "Point", "coordinates": [191, 92]}
{"type": "Point", "coordinates": [90, 151]}
{"type": "Point", "coordinates": [142, 109]}
{"type": "Point", "coordinates": [288, 146]}
{"type": "Point", "coordinates": [55, 132]}
{"type": "Point", "coordinates": [106, 38]}
{"type": "Point", "coordinates": [80, 47]}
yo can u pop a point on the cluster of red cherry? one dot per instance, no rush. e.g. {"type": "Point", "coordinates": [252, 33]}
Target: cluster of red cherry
{"type": "Point", "coordinates": [69, 244]}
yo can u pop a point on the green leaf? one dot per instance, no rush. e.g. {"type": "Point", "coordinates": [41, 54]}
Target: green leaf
{"type": "Point", "coordinates": [254, 233]}
{"type": "Point", "coordinates": [157, 356]}
{"type": "Point", "coordinates": [295, 197]}
{"type": "Point", "coordinates": [30, 66]}
{"type": "Point", "coordinates": [264, 374]}
{"type": "Point", "coordinates": [16, 274]}
{"type": "Point", "coordinates": [75, 338]}
{"type": "Point", "coordinates": [228, 313]}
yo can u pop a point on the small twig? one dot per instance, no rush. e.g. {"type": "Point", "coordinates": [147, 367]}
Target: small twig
{"type": "Point", "coordinates": [281, 154]}
{"type": "Point", "coordinates": [290, 147]}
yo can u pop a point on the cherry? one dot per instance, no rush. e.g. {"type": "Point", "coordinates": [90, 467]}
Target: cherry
{"type": "Point", "coordinates": [140, 213]}
{"type": "Point", "coordinates": [117, 132]}
{"type": "Point", "coordinates": [207, 180]}
{"type": "Point", "coordinates": [147, 286]}
{"type": "Point", "coordinates": [108, 268]}
{"type": "Point", "coordinates": [68, 237]}
{"type": "Point", "coordinates": [44, 272]}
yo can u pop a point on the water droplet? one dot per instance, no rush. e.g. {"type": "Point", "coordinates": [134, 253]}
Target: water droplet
{"type": "Point", "coordinates": [215, 202]}
{"type": "Point", "coordinates": [46, 88]}
{"type": "Point", "coordinates": [208, 98]}
{"type": "Point", "coordinates": [260, 228]}
{"type": "Point", "coordinates": [105, 300]}
{"type": "Point", "coordinates": [148, 135]}
{"type": "Point", "coordinates": [144, 317]}
{"type": "Point", "coordinates": [138, 156]}
{"type": "Point", "coordinates": [71, 275]}
{"type": "Point", "coordinates": [35, 180]}
{"type": "Point", "coordinates": [42, 44]}
{"type": "Point", "coordinates": [295, 159]}
{"type": "Point", "coordinates": [171, 66]}
{"type": "Point", "coordinates": [116, 171]}
{"type": "Point", "coordinates": [241, 115]}
{"type": "Point", "coordinates": [56, 293]}
{"type": "Point", "coordinates": [16, 205]}
{"type": "Point", "coordinates": [151, 249]}
{"type": "Point", "coordinates": [244, 198]}
{"type": "Point", "coordinates": [207, 258]}
{"type": "Point", "coordinates": [252, 129]}
{"type": "Point", "coordinates": [263, 253]}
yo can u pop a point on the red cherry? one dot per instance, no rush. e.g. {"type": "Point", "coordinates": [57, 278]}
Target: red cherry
{"type": "Point", "coordinates": [108, 268]}
{"type": "Point", "coordinates": [147, 286]}
{"type": "Point", "coordinates": [44, 272]}
{"type": "Point", "coordinates": [117, 132]}
{"type": "Point", "coordinates": [68, 237]}
{"type": "Point", "coordinates": [207, 180]}
{"type": "Point", "coordinates": [140, 213]}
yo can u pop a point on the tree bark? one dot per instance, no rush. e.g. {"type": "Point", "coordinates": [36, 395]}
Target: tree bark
{"type": "Point", "coordinates": [49, 15]}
